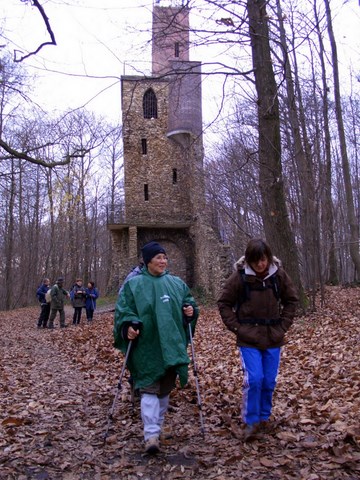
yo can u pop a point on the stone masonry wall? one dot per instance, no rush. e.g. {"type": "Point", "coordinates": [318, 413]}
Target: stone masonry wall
{"type": "Point", "coordinates": [168, 197]}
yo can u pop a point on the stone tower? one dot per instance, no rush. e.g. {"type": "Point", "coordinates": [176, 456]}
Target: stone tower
{"type": "Point", "coordinates": [163, 162]}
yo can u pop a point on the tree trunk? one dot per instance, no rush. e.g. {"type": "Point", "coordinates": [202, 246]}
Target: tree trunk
{"type": "Point", "coordinates": [328, 207]}
{"type": "Point", "coordinates": [309, 218]}
{"type": "Point", "coordinates": [275, 215]}
{"type": "Point", "coordinates": [9, 241]}
{"type": "Point", "coordinates": [353, 225]}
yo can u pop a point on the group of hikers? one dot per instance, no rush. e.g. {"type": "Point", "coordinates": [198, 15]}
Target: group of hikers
{"type": "Point", "coordinates": [156, 314]}
{"type": "Point", "coordinates": [52, 300]}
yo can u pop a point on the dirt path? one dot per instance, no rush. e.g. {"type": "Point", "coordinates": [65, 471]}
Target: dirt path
{"type": "Point", "coordinates": [47, 396]}
{"type": "Point", "coordinates": [56, 389]}
{"type": "Point", "coordinates": [54, 401]}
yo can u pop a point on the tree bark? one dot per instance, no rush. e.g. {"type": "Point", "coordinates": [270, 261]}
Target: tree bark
{"type": "Point", "coordinates": [351, 217]}
{"type": "Point", "coordinates": [275, 216]}
{"type": "Point", "coordinates": [328, 207]}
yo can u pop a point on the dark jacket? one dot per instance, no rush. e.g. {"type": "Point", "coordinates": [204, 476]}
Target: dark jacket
{"type": "Point", "coordinates": [78, 296]}
{"type": "Point", "coordinates": [41, 291]}
{"type": "Point", "coordinates": [58, 296]}
{"type": "Point", "coordinates": [246, 312]}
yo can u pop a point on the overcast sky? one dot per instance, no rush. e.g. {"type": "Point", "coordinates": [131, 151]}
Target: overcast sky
{"type": "Point", "coordinates": [100, 39]}
{"type": "Point", "coordinates": [94, 38]}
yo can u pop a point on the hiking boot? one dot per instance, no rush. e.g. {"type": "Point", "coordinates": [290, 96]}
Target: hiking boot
{"type": "Point", "coordinates": [251, 432]}
{"type": "Point", "coordinates": [265, 426]}
{"type": "Point", "coordinates": [64, 326]}
{"type": "Point", "coordinates": [152, 445]}
{"type": "Point", "coordinates": [51, 326]}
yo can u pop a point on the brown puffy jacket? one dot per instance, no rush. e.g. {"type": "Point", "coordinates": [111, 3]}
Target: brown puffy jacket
{"type": "Point", "coordinates": [245, 313]}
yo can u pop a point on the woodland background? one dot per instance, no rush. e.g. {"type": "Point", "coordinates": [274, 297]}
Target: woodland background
{"type": "Point", "coordinates": [281, 159]}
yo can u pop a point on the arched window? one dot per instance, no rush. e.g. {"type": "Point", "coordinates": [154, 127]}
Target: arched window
{"type": "Point", "coordinates": [150, 104]}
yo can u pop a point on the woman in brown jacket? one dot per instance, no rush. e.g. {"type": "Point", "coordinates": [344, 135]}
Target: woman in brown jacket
{"type": "Point", "coordinates": [258, 304]}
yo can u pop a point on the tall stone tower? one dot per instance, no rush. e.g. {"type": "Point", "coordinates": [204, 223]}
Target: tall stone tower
{"type": "Point", "coordinates": [163, 162]}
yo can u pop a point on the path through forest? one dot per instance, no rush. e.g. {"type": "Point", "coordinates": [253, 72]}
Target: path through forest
{"type": "Point", "coordinates": [56, 388]}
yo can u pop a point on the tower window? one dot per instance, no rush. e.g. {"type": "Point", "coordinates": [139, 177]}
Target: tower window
{"type": "Point", "coordinates": [144, 146]}
{"type": "Point", "coordinates": [174, 180]}
{"type": "Point", "coordinates": [150, 104]}
{"type": "Point", "coordinates": [146, 192]}
{"type": "Point", "coordinates": [177, 49]}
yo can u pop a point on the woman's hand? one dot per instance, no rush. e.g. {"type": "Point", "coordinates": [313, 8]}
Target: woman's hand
{"type": "Point", "coordinates": [132, 334]}
{"type": "Point", "coordinates": [188, 310]}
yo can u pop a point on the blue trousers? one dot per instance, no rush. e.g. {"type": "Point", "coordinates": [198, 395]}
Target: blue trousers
{"type": "Point", "coordinates": [260, 369]}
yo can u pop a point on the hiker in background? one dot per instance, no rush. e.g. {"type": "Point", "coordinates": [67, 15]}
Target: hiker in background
{"type": "Point", "coordinates": [258, 304]}
{"type": "Point", "coordinates": [44, 305]}
{"type": "Point", "coordinates": [155, 309]}
{"type": "Point", "coordinates": [78, 298]}
{"type": "Point", "coordinates": [90, 303]}
{"type": "Point", "coordinates": [135, 271]}
{"type": "Point", "coordinates": [58, 296]}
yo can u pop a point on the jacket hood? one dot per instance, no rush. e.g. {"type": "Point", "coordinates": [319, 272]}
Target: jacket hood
{"type": "Point", "coordinates": [241, 265]}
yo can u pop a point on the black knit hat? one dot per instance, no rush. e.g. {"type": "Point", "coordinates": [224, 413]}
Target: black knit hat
{"type": "Point", "coordinates": [150, 250]}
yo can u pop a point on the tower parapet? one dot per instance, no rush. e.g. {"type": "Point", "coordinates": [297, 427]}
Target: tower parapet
{"type": "Point", "coordinates": [170, 39]}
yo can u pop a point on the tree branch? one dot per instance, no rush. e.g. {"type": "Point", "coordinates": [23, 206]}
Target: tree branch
{"type": "Point", "coordinates": [37, 161]}
{"type": "Point", "coordinates": [48, 28]}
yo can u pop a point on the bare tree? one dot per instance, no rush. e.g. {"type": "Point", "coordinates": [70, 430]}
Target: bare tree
{"type": "Point", "coordinates": [45, 19]}
{"type": "Point", "coordinates": [275, 216]}
{"type": "Point", "coordinates": [352, 221]}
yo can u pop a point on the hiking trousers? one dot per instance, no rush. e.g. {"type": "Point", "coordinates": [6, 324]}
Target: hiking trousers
{"type": "Point", "coordinates": [44, 315]}
{"type": "Point", "coordinates": [77, 315]}
{"type": "Point", "coordinates": [53, 315]}
{"type": "Point", "coordinates": [89, 314]}
{"type": "Point", "coordinates": [260, 369]}
{"type": "Point", "coordinates": [155, 402]}
{"type": "Point", "coordinates": [153, 410]}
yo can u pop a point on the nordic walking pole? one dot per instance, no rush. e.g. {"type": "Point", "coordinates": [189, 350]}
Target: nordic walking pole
{"type": "Point", "coordinates": [196, 382]}
{"type": "Point", "coordinates": [119, 385]}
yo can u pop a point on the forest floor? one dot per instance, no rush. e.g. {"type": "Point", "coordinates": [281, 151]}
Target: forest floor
{"type": "Point", "coordinates": [57, 388]}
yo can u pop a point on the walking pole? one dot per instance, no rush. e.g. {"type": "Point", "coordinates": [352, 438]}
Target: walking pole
{"type": "Point", "coordinates": [135, 326]}
{"type": "Point", "coordinates": [196, 382]}
{"type": "Point", "coordinates": [132, 396]}
{"type": "Point", "coordinates": [119, 386]}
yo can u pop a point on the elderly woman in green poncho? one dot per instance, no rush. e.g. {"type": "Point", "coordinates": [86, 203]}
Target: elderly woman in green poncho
{"type": "Point", "coordinates": [155, 309]}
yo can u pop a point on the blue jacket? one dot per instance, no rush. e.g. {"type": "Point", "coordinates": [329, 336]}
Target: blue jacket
{"type": "Point", "coordinates": [135, 271]}
{"type": "Point", "coordinates": [40, 292]}
{"type": "Point", "coordinates": [91, 295]}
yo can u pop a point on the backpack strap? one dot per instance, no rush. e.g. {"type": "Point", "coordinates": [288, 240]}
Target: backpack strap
{"type": "Point", "coordinates": [246, 290]}
{"type": "Point", "coordinates": [245, 287]}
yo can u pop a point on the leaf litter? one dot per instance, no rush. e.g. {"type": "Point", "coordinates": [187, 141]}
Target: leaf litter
{"type": "Point", "coordinates": [57, 388]}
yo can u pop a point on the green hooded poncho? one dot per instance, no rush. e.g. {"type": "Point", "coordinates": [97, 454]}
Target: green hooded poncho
{"type": "Point", "coordinates": [156, 303]}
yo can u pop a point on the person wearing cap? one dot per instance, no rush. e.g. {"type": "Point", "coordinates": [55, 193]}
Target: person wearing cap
{"type": "Point", "coordinates": [58, 296]}
{"type": "Point", "coordinates": [154, 310]}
